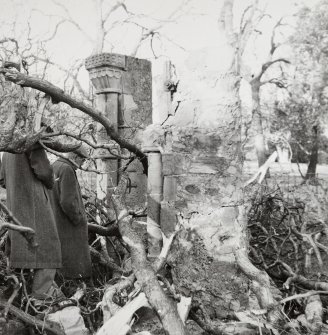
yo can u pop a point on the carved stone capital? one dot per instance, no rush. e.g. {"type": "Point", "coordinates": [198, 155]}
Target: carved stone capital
{"type": "Point", "coordinates": [106, 72]}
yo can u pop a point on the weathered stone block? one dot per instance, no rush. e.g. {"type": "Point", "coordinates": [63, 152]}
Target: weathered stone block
{"type": "Point", "coordinates": [169, 188]}
{"type": "Point", "coordinates": [137, 193]}
{"type": "Point", "coordinates": [193, 139]}
{"type": "Point", "coordinates": [137, 81]}
{"type": "Point", "coordinates": [174, 164]}
{"type": "Point", "coordinates": [168, 217]}
{"type": "Point", "coordinates": [178, 164]}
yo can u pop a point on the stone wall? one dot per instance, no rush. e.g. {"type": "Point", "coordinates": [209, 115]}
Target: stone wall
{"type": "Point", "coordinates": [200, 146]}
{"type": "Point", "coordinates": [135, 115]}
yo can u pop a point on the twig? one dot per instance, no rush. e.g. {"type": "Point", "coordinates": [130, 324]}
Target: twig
{"type": "Point", "coordinates": [106, 261]}
{"type": "Point", "coordinates": [70, 160]}
{"type": "Point", "coordinates": [161, 259]}
{"type": "Point", "coordinates": [301, 295]}
{"type": "Point", "coordinates": [91, 144]}
{"type": "Point", "coordinates": [58, 95]}
{"type": "Point", "coordinates": [17, 287]}
{"type": "Point", "coordinates": [112, 230]}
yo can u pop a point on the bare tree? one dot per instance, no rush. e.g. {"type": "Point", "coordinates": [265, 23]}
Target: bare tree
{"type": "Point", "coordinates": [258, 80]}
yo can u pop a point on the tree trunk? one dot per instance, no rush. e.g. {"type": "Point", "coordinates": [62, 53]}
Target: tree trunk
{"type": "Point", "coordinates": [259, 140]}
{"type": "Point", "coordinates": [312, 167]}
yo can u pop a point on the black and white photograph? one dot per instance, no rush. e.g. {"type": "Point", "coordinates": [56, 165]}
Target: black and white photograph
{"type": "Point", "coordinates": [164, 167]}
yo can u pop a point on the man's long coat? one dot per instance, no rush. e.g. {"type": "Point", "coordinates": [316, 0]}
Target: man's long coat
{"type": "Point", "coordinates": [71, 221]}
{"type": "Point", "coordinates": [27, 178]}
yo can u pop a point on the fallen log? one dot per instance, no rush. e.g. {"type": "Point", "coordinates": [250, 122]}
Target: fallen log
{"type": "Point", "coordinates": [145, 274]}
{"type": "Point", "coordinates": [51, 328]}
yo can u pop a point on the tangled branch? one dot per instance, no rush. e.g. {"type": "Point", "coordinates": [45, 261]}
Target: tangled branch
{"type": "Point", "coordinates": [58, 95]}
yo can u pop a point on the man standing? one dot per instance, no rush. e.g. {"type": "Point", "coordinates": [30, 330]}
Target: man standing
{"type": "Point", "coordinates": [71, 216]}
{"type": "Point", "coordinates": [27, 178]}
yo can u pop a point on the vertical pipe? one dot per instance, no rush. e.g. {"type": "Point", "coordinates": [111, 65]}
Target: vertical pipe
{"type": "Point", "coordinates": [155, 195]}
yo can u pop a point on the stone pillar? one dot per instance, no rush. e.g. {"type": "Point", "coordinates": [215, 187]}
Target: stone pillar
{"type": "Point", "coordinates": [154, 198]}
{"type": "Point", "coordinates": [153, 138]}
{"type": "Point", "coordinates": [152, 142]}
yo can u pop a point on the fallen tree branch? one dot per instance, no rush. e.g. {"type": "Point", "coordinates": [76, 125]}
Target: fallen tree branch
{"type": "Point", "coordinates": [161, 258]}
{"type": "Point", "coordinates": [51, 328]}
{"type": "Point", "coordinates": [109, 263]}
{"type": "Point", "coordinates": [290, 298]}
{"type": "Point", "coordinates": [58, 146]}
{"type": "Point", "coordinates": [261, 172]}
{"type": "Point", "coordinates": [260, 283]}
{"type": "Point", "coordinates": [119, 324]}
{"type": "Point", "coordinates": [13, 295]}
{"type": "Point", "coordinates": [165, 308]}
{"type": "Point", "coordinates": [256, 320]}
{"type": "Point", "coordinates": [301, 295]}
{"type": "Point", "coordinates": [104, 231]}
{"type": "Point", "coordinates": [58, 95]}
{"type": "Point", "coordinates": [108, 306]}
{"type": "Point", "coordinates": [307, 283]}
{"type": "Point", "coordinates": [70, 160]}
{"type": "Point", "coordinates": [20, 144]}
{"type": "Point", "coordinates": [93, 145]}
{"type": "Point", "coordinates": [68, 72]}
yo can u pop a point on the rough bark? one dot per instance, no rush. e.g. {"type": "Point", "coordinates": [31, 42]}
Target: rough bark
{"type": "Point", "coordinates": [164, 307]}
{"type": "Point", "coordinates": [104, 231]}
{"type": "Point", "coordinates": [59, 147]}
{"type": "Point", "coordinates": [260, 283]}
{"type": "Point", "coordinates": [105, 261]}
{"type": "Point", "coordinates": [16, 134]}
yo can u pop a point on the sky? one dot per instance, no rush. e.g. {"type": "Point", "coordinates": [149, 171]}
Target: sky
{"type": "Point", "coordinates": [193, 27]}
{"type": "Point", "coordinates": [184, 25]}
